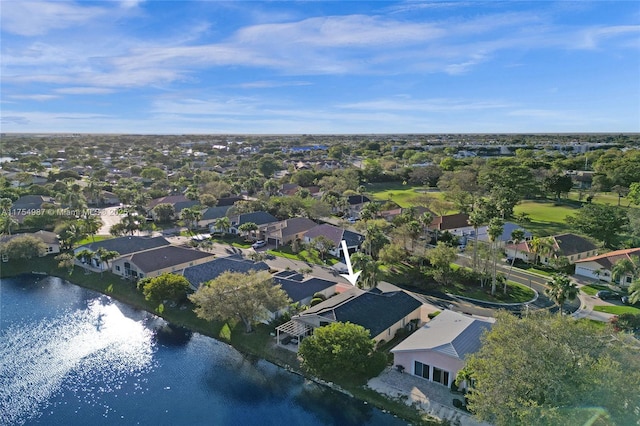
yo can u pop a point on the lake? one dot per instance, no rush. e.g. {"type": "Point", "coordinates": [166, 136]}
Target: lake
{"type": "Point", "coordinates": [75, 357]}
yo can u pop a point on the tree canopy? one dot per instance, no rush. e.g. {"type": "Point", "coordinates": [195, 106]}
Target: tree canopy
{"type": "Point", "coordinates": [337, 349]}
{"type": "Point", "coordinates": [600, 221]}
{"type": "Point", "coordinates": [234, 295]}
{"type": "Point", "coordinates": [166, 287]}
{"type": "Point", "coordinates": [23, 247]}
{"type": "Point", "coordinates": [545, 369]}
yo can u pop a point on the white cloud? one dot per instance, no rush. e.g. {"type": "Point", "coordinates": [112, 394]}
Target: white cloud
{"type": "Point", "coordinates": [31, 18]}
{"type": "Point", "coordinates": [84, 91]}
{"type": "Point", "coordinates": [39, 98]}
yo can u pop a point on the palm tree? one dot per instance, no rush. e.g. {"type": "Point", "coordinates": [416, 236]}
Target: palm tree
{"type": "Point", "coordinates": [626, 267]}
{"type": "Point", "coordinates": [7, 224]}
{"type": "Point", "coordinates": [85, 256]}
{"type": "Point", "coordinates": [5, 205]}
{"type": "Point", "coordinates": [476, 219]}
{"type": "Point", "coordinates": [541, 246]}
{"type": "Point", "coordinates": [223, 224]}
{"type": "Point", "coordinates": [560, 289]}
{"type": "Point", "coordinates": [425, 220]}
{"type": "Point", "coordinates": [105, 256]}
{"type": "Point", "coordinates": [191, 216]}
{"type": "Point", "coordinates": [517, 236]}
{"type": "Point", "coordinates": [91, 224]}
{"type": "Point", "coordinates": [246, 228]}
{"type": "Point", "coordinates": [370, 268]}
{"type": "Point", "coordinates": [634, 291]}
{"type": "Point", "coordinates": [495, 230]}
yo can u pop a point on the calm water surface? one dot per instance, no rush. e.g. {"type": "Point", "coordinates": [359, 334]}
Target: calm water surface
{"type": "Point", "coordinates": [70, 356]}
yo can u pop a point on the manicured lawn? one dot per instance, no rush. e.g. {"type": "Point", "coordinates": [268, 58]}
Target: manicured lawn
{"type": "Point", "coordinates": [403, 195]}
{"type": "Point", "coordinates": [516, 293]}
{"type": "Point", "coordinates": [304, 255]}
{"type": "Point", "coordinates": [617, 310]}
{"type": "Point", "coordinates": [95, 238]}
{"type": "Point", "coordinates": [546, 217]}
{"type": "Point", "coordinates": [592, 289]}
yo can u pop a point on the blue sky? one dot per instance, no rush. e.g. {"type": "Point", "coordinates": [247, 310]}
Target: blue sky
{"type": "Point", "coordinates": [320, 67]}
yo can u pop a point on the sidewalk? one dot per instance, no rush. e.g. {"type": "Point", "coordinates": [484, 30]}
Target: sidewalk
{"type": "Point", "coordinates": [587, 303]}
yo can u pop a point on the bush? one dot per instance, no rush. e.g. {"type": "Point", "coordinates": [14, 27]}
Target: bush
{"type": "Point", "coordinates": [432, 315]}
{"type": "Point", "coordinates": [315, 301]}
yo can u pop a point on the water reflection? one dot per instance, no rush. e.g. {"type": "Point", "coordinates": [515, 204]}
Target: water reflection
{"type": "Point", "coordinates": [37, 358]}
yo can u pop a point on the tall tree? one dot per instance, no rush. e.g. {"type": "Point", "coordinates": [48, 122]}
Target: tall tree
{"type": "Point", "coordinates": [560, 289]}
{"type": "Point", "coordinates": [7, 224]}
{"type": "Point", "coordinates": [540, 247]}
{"type": "Point", "coordinates": [223, 224]}
{"type": "Point", "coordinates": [517, 236]}
{"type": "Point", "coordinates": [626, 267]}
{"type": "Point", "coordinates": [476, 219]}
{"type": "Point", "coordinates": [233, 295]}
{"type": "Point", "coordinates": [495, 230]}
{"type": "Point", "coordinates": [90, 224]}
{"type": "Point", "coordinates": [323, 245]}
{"type": "Point", "coordinates": [106, 256]}
{"type": "Point", "coordinates": [600, 221]}
{"type": "Point", "coordinates": [370, 275]}
{"type": "Point", "coordinates": [23, 247]}
{"type": "Point", "coordinates": [441, 257]}
{"type": "Point", "coordinates": [548, 369]}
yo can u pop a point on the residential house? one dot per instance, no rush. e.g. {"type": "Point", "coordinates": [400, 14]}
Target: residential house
{"type": "Point", "coordinates": [570, 246]}
{"type": "Point", "coordinates": [451, 222]}
{"type": "Point", "coordinates": [123, 245]}
{"type": "Point", "coordinates": [203, 272]}
{"type": "Point", "coordinates": [260, 218]}
{"type": "Point", "coordinates": [286, 231]}
{"type": "Point", "coordinates": [336, 235]}
{"type": "Point", "coordinates": [468, 233]}
{"type": "Point", "coordinates": [437, 351]}
{"type": "Point", "coordinates": [29, 204]}
{"type": "Point", "coordinates": [179, 202]}
{"type": "Point", "coordinates": [600, 267]}
{"type": "Point", "coordinates": [154, 262]}
{"type": "Point", "coordinates": [50, 239]}
{"type": "Point", "coordinates": [301, 290]}
{"type": "Point", "coordinates": [211, 214]}
{"type": "Point", "coordinates": [382, 313]}
{"type": "Point", "coordinates": [355, 204]}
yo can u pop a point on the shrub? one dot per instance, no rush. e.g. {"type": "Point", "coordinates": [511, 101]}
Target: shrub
{"type": "Point", "coordinates": [315, 301]}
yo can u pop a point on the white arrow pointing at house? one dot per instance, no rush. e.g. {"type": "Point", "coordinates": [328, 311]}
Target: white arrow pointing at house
{"type": "Point", "coordinates": [353, 278]}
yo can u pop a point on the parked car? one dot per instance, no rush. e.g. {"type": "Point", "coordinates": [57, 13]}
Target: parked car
{"type": "Point", "coordinates": [258, 244]}
{"type": "Point", "coordinates": [607, 294]}
{"type": "Point", "coordinates": [627, 301]}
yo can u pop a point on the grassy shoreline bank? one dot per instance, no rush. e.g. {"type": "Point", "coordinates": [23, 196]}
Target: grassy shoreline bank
{"type": "Point", "coordinates": [256, 344]}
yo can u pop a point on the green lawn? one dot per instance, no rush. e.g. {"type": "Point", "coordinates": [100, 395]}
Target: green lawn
{"type": "Point", "coordinates": [403, 195]}
{"type": "Point", "coordinates": [516, 293]}
{"type": "Point", "coordinates": [547, 218]}
{"type": "Point", "coordinates": [304, 255]}
{"type": "Point", "coordinates": [592, 289]}
{"type": "Point", "coordinates": [617, 310]}
{"type": "Point", "coordinates": [95, 238]}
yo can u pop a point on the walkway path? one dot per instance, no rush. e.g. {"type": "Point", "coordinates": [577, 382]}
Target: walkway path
{"type": "Point", "coordinates": [432, 398]}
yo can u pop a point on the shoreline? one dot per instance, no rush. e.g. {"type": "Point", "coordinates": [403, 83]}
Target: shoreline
{"type": "Point", "coordinates": [398, 408]}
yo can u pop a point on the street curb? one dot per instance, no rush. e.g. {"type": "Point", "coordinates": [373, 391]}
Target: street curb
{"type": "Point", "coordinates": [455, 296]}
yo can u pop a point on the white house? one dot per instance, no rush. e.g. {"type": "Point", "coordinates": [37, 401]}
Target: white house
{"type": "Point", "coordinates": [437, 351]}
{"type": "Point", "coordinates": [600, 267]}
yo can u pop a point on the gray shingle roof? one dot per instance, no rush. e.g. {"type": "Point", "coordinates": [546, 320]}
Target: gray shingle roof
{"type": "Point", "coordinates": [335, 234]}
{"type": "Point", "coordinates": [259, 218]}
{"type": "Point", "coordinates": [374, 310]}
{"type": "Point", "coordinates": [128, 244]}
{"type": "Point", "coordinates": [450, 333]}
{"type": "Point", "coordinates": [299, 289]}
{"type": "Point", "coordinates": [166, 257]}
{"type": "Point", "coordinates": [213, 213]}
{"type": "Point", "coordinates": [570, 244]}
{"type": "Point", "coordinates": [199, 274]}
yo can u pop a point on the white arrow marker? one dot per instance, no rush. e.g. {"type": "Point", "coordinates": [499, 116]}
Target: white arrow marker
{"type": "Point", "coordinates": [350, 276]}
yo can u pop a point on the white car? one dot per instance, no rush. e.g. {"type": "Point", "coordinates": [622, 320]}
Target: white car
{"type": "Point", "coordinates": [258, 244]}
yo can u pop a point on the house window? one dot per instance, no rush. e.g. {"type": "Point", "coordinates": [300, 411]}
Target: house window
{"type": "Point", "coordinates": [628, 280]}
{"type": "Point", "coordinates": [117, 268]}
{"type": "Point", "coordinates": [141, 275]}
{"type": "Point", "coordinates": [441, 376]}
{"type": "Point", "coordinates": [421, 370]}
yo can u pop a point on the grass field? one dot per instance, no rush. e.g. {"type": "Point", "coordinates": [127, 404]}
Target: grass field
{"type": "Point", "coordinates": [592, 289]}
{"type": "Point", "coordinates": [617, 310]}
{"type": "Point", "coordinates": [403, 195]}
{"type": "Point", "coordinates": [547, 218]}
